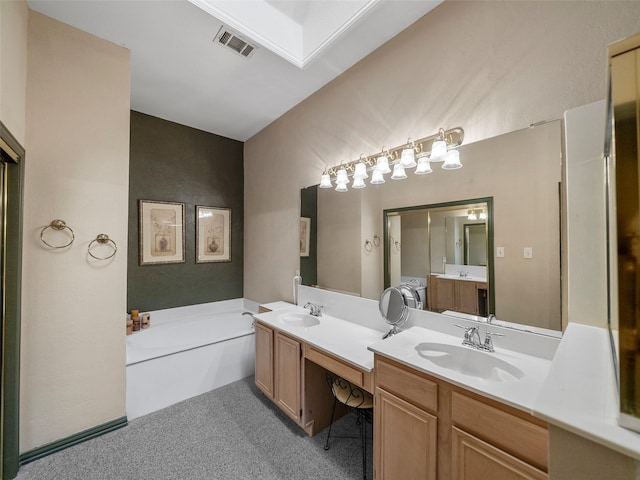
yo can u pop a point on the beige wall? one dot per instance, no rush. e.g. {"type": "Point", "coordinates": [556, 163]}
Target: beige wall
{"type": "Point", "coordinates": [500, 67]}
{"type": "Point", "coordinates": [77, 144]}
{"type": "Point", "coordinates": [13, 66]}
{"type": "Point", "coordinates": [572, 457]}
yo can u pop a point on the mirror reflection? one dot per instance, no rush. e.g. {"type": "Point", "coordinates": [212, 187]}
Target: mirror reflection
{"type": "Point", "coordinates": [520, 171]}
{"type": "Point", "coordinates": [442, 251]}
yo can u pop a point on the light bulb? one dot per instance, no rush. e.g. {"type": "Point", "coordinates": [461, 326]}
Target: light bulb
{"type": "Point", "coordinates": [382, 164]}
{"type": "Point", "coordinates": [408, 158]}
{"type": "Point", "coordinates": [325, 181]}
{"type": "Point", "coordinates": [438, 151]}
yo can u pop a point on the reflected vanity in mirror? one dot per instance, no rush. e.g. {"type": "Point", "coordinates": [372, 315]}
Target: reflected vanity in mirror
{"type": "Point", "coordinates": [518, 174]}
{"type": "Point", "coordinates": [445, 252]}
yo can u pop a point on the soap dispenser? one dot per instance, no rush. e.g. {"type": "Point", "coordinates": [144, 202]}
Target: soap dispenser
{"type": "Point", "coordinates": [297, 280]}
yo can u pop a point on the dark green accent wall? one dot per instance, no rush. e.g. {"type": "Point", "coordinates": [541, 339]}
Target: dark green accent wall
{"type": "Point", "coordinates": [309, 208]}
{"type": "Point", "coordinates": [174, 163]}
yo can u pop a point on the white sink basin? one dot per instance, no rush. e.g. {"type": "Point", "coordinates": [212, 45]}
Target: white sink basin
{"type": "Point", "coordinates": [298, 320]}
{"type": "Point", "coordinates": [467, 361]}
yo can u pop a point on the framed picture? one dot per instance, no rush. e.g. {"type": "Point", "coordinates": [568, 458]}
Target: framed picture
{"type": "Point", "coordinates": [305, 236]}
{"type": "Point", "coordinates": [213, 234]}
{"type": "Point", "coordinates": [161, 232]}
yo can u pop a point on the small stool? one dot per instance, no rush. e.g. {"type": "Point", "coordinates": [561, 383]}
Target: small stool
{"type": "Point", "coordinates": [360, 401]}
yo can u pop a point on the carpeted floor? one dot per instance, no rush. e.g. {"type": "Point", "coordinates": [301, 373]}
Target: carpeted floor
{"type": "Point", "coordinates": [232, 433]}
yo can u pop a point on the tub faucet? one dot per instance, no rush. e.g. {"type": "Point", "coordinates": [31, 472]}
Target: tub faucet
{"type": "Point", "coordinates": [314, 310]}
{"type": "Point", "coordinates": [253, 323]}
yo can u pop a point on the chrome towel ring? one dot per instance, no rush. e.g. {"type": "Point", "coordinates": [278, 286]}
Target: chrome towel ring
{"type": "Point", "coordinates": [102, 239]}
{"type": "Point", "coordinates": [58, 225]}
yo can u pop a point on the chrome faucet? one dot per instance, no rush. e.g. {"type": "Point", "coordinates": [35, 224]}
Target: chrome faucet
{"type": "Point", "coordinates": [462, 273]}
{"type": "Point", "coordinates": [472, 338]}
{"type": "Point", "coordinates": [488, 341]}
{"type": "Point", "coordinates": [314, 310]}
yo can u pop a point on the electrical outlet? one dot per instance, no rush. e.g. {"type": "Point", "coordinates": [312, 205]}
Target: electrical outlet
{"type": "Point", "coordinates": [528, 252]}
{"type": "Point", "coordinates": [500, 252]}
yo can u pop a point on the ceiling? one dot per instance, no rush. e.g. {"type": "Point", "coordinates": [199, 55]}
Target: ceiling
{"type": "Point", "coordinates": [181, 73]}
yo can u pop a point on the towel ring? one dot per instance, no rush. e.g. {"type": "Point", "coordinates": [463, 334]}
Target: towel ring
{"type": "Point", "coordinates": [102, 239]}
{"type": "Point", "coordinates": [59, 225]}
{"type": "Point", "coordinates": [368, 246]}
{"type": "Point", "coordinates": [376, 240]}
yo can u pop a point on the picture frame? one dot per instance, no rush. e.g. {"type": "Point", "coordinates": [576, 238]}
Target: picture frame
{"type": "Point", "coordinates": [213, 234]}
{"type": "Point", "coordinates": [161, 232]}
{"type": "Point", "coordinates": [305, 236]}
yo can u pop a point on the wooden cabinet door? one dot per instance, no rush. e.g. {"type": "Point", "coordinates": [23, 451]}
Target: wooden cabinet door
{"type": "Point", "coordinates": [264, 359]}
{"type": "Point", "coordinates": [474, 459]}
{"type": "Point", "coordinates": [445, 294]}
{"type": "Point", "coordinates": [287, 375]}
{"type": "Point", "coordinates": [466, 297]}
{"type": "Point", "coordinates": [405, 439]}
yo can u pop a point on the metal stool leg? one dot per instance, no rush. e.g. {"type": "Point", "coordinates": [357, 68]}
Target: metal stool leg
{"type": "Point", "coordinates": [333, 413]}
{"type": "Point", "coordinates": [363, 439]}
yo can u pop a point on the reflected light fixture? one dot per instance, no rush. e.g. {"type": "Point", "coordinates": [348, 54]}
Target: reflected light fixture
{"type": "Point", "coordinates": [358, 183]}
{"type": "Point", "coordinates": [452, 160]}
{"type": "Point", "coordinates": [377, 178]}
{"type": "Point", "coordinates": [416, 154]}
{"type": "Point", "coordinates": [398, 172]}
{"type": "Point", "coordinates": [424, 165]}
{"type": "Point", "coordinates": [471, 215]}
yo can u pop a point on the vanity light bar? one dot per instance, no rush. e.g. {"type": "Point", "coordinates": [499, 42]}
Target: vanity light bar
{"type": "Point", "coordinates": [453, 138]}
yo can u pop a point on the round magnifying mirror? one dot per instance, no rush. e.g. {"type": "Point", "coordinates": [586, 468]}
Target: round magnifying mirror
{"type": "Point", "coordinates": [393, 308]}
{"type": "Point", "coordinates": [411, 296]}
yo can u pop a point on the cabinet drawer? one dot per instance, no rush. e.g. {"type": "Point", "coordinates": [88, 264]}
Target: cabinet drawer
{"type": "Point", "coordinates": [334, 365]}
{"type": "Point", "coordinates": [513, 434]}
{"type": "Point", "coordinates": [473, 458]}
{"type": "Point", "coordinates": [408, 385]}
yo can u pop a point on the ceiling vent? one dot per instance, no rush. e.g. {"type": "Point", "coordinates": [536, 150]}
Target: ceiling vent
{"type": "Point", "coordinates": [238, 44]}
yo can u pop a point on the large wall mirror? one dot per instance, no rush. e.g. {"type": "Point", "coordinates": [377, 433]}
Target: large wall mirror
{"type": "Point", "coordinates": [519, 173]}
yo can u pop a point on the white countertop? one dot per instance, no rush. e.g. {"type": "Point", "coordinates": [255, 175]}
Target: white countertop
{"type": "Point", "coordinates": [346, 340]}
{"type": "Point", "coordinates": [580, 392]}
{"type": "Point", "coordinates": [468, 278]}
{"type": "Point", "coordinates": [520, 393]}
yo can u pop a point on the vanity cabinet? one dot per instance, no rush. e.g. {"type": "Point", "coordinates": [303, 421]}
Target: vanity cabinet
{"type": "Point", "coordinates": [287, 375]}
{"type": "Point", "coordinates": [264, 359]}
{"type": "Point", "coordinates": [458, 295]}
{"type": "Point", "coordinates": [405, 424]}
{"type": "Point", "coordinates": [426, 428]}
{"type": "Point", "coordinates": [277, 372]}
{"type": "Point", "coordinates": [292, 374]}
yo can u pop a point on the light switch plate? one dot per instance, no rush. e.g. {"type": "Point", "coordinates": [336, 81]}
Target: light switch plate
{"type": "Point", "coordinates": [500, 252]}
{"type": "Point", "coordinates": [528, 252]}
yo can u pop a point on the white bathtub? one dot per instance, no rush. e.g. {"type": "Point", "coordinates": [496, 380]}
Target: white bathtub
{"type": "Point", "coordinates": [188, 351]}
